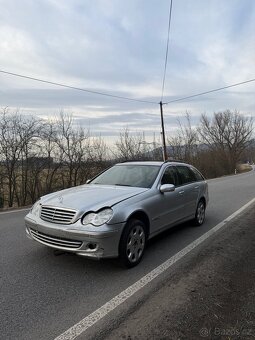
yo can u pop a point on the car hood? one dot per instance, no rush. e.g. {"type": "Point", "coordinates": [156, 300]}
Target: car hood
{"type": "Point", "coordinates": [90, 197]}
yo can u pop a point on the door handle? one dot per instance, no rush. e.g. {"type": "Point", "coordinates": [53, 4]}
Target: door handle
{"type": "Point", "coordinates": [196, 187]}
{"type": "Point", "coordinates": [181, 192]}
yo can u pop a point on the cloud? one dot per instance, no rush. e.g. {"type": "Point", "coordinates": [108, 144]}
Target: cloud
{"type": "Point", "coordinates": [119, 47]}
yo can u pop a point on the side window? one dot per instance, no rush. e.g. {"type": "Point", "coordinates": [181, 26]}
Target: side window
{"type": "Point", "coordinates": [186, 175]}
{"type": "Point", "coordinates": [170, 176]}
{"type": "Point", "coordinates": [197, 174]}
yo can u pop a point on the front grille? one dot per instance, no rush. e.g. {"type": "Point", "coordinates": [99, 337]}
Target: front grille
{"type": "Point", "coordinates": [57, 215]}
{"type": "Point", "coordinates": [55, 241]}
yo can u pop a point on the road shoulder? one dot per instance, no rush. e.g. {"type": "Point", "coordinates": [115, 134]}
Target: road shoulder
{"type": "Point", "coordinates": [209, 294]}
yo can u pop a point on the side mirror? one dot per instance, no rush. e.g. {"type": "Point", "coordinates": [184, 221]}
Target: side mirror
{"type": "Point", "coordinates": [166, 188]}
{"type": "Point", "coordinates": [88, 181]}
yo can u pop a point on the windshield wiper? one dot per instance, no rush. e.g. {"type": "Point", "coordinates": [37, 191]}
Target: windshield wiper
{"type": "Point", "coordinates": [122, 185]}
{"type": "Point", "coordinates": [117, 184]}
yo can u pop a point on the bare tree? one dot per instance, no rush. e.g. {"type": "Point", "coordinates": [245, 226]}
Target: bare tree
{"type": "Point", "coordinates": [51, 156]}
{"type": "Point", "coordinates": [249, 154]}
{"type": "Point", "coordinates": [185, 143]}
{"type": "Point", "coordinates": [29, 131]}
{"type": "Point", "coordinates": [228, 133]}
{"type": "Point", "coordinates": [37, 157]}
{"type": "Point", "coordinates": [133, 146]}
{"type": "Point", "coordinates": [97, 159]}
{"type": "Point", "coordinates": [72, 148]}
{"type": "Point", "coordinates": [16, 134]}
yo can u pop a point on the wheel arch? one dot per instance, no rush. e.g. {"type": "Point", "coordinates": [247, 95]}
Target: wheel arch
{"type": "Point", "coordinates": [203, 200]}
{"type": "Point", "coordinates": [139, 215]}
{"type": "Point", "coordinates": [136, 215]}
{"type": "Point", "coordinates": [142, 216]}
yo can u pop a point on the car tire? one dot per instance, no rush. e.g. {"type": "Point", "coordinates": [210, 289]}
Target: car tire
{"type": "Point", "coordinates": [132, 243]}
{"type": "Point", "coordinates": [200, 213]}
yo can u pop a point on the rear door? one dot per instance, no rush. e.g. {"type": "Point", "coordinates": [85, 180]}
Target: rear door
{"type": "Point", "coordinates": [190, 189]}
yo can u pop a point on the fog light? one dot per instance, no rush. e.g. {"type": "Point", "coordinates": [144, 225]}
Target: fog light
{"type": "Point", "coordinates": [91, 246]}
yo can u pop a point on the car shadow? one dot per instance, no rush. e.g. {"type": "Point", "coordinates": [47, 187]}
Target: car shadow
{"type": "Point", "coordinates": [172, 231]}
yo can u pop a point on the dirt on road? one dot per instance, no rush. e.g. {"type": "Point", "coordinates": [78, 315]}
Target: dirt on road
{"type": "Point", "coordinates": [210, 294]}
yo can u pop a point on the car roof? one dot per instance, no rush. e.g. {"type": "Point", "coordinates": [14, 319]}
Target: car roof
{"type": "Point", "coordinates": [158, 163]}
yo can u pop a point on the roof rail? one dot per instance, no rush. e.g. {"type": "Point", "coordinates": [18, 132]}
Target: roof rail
{"type": "Point", "coordinates": [174, 160]}
{"type": "Point", "coordinates": [140, 160]}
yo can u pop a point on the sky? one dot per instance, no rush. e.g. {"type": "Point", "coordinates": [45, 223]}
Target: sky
{"type": "Point", "coordinates": [118, 47]}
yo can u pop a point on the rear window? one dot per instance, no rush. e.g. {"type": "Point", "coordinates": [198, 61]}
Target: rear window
{"type": "Point", "coordinates": [197, 174]}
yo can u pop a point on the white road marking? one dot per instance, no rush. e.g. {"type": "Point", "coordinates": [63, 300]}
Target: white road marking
{"type": "Point", "coordinates": [13, 211]}
{"type": "Point", "coordinates": [98, 314]}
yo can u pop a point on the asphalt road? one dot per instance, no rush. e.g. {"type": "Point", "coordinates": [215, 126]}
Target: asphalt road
{"type": "Point", "coordinates": [42, 295]}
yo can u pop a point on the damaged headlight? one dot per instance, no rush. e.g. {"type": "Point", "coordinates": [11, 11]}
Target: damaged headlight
{"type": "Point", "coordinates": [36, 208]}
{"type": "Point", "coordinates": [99, 218]}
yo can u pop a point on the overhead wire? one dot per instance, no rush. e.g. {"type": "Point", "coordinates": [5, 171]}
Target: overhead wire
{"type": "Point", "coordinates": [127, 98]}
{"type": "Point", "coordinates": [210, 91]}
{"type": "Point", "coordinates": [167, 48]}
{"type": "Point", "coordinates": [77, 88]}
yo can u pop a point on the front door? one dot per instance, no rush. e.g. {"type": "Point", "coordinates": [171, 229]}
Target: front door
{"type": "Point", "coordinates": [168, 207]}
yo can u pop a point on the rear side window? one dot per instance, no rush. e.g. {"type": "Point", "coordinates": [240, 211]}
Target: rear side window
{"type": "Point", "coordinates": [170, 176]}
{"type": "Point", "coordinates": [186, 175]}
{"type": "Point", "coordinates": [197, 174]}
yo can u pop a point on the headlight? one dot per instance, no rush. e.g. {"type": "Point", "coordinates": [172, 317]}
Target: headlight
{"type": "Point", "coordinates": [98, 218]}
{"type": "Point", "coordinates": [35, 210]}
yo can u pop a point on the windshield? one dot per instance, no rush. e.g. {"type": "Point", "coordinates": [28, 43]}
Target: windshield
{"type": "Point", "coordinates": [142, 176]}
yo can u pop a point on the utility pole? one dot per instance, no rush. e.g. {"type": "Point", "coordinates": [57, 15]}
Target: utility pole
{"type": "Point", "coordinates": [163, 132]}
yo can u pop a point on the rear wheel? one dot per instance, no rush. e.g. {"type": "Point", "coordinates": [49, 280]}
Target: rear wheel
{"type": "Point", "coordinates": [200, 213]}
{"type": "Point", "coordinates": [132, 243]}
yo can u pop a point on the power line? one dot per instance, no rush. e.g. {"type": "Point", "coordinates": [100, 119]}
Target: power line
{"type": "Point", "coordinates": [126, 98]}
{"type": "Point", "coordinates": [167, 47]}
{"type": "Point", "coordinates": [210, 91]}
{"type": "Point", "coordinates": [77, 88]}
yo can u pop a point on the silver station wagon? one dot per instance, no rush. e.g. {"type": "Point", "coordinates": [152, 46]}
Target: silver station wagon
{"type": "Point", "coordinates": [119, 210]}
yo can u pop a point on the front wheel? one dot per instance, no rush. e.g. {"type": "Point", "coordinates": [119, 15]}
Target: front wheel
{"type": "Point", "coordinates": [200, 213]}
{"type": "Point", "coordinates": [132, 243]}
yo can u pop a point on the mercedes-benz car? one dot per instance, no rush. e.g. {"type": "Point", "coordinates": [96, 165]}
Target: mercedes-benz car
{"type": "Point", "coordinates": [116, 213]}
